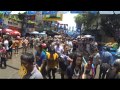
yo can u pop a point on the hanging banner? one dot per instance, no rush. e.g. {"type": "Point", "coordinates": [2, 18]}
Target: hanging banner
{"type": "Point", "coordinates": [57, 17]}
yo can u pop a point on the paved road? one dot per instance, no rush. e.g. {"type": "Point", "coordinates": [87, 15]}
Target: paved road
{"type": "Point", "coordinates": [11, 72]}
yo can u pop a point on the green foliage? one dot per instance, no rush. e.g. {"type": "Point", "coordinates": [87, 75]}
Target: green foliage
{"type": "Point", "coordinates": [79, 19]}
{"type": "Point", "coordinates": [86, 19]}
{"type": "Point", "coordinates": [110, 23]}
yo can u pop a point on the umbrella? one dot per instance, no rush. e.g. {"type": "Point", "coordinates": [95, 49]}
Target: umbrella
{"type": "Point", "coordinates": [34, 32]}
{"type": "Point", "coordinates": [88, 36]}
{"type": "Point", "coordinates": [7, 30]}
{"type": "Point", "coordinates": [16, 33]}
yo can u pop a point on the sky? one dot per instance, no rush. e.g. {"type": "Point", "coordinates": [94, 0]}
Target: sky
{"type": "Point", "coordinates": [16, 12]}
{"type": "Point", "coordinates": [69, 19]}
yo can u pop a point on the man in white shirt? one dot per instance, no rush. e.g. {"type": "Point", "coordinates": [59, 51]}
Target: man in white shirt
{"type": "Point", "coordinates": [6, 43]}
{"type": "Point", "coordinates": [59, 48]}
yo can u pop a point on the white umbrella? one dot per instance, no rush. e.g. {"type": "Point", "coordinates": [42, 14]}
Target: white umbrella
{"type": "Point", "coordinates": [88, 36]}
{"type": "Point", "coordinates": [34, 32]}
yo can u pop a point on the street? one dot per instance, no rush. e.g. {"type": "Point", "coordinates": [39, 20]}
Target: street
{"type": "Point", "coordinates": [11, 72]}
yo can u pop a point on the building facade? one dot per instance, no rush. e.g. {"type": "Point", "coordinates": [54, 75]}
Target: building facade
{"type": "Point", "coordinates": [11, 24]}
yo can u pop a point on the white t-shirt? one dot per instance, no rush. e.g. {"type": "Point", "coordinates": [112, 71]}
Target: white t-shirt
{"type": "Point", "coordinates": [70, 43]}
{"type": "Point", "coordinates": [59, 49]}
{"type": "Point", "coordinates": [6, 43]}
{"type": "Point", "coordinates": [36, 74]}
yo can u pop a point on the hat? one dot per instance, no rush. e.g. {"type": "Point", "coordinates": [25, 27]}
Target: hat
{"type": "Point", "coordinates": [44, 45]}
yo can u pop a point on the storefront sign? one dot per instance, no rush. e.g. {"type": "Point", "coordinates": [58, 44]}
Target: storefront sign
{"type": "Point", "coordinates": [57, 17]}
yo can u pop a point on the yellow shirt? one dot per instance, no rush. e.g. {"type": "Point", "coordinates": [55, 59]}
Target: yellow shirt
{"type": "Point", "coordinates": [52, 62]}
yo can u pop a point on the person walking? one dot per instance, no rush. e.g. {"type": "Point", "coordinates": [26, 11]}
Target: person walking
{"type": "Point", "coordinates": [28, 70]}
{"type": "Point", "coordinates": [52, 63]}
{"type": "Point", "coordinates": [106, 62]}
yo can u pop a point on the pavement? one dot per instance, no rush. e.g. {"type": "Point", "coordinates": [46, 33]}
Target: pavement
{"type": "Point", "coordinates": [13, 65]}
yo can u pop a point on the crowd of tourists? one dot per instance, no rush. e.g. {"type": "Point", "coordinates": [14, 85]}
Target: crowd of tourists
{"type": "Point", "coordinates": [80, 58]}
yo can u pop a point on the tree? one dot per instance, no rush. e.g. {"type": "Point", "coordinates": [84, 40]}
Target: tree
{"type": "Point", "coordinates": [22, 17]}
{"type": "Point", "coordinates": [110, 23]}
{"type": "Point", "coordinates": [87, 19]}
{"type": "Point", "coordinates": [79, 20]}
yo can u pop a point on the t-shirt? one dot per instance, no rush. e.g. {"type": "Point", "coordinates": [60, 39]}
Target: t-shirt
{"type": "Point", "coordinates": [35, 74]}
{"type": "Point", "coordinates": [59, 49]}
{"type": "Point", "coordinates": [52, 60]}
{"type": "Point", "coordinates": [42, 57]}
{"type": "Point", "coordinates": [16, 43]}
{"type": "Point", "coordinates": [70, 43]}
{"type": "Point", "coordinates": [25, 42]}
{"type": "Point", "coordinates": [96, 58]}
{"type": "Point", "coordinates": [6, 43]}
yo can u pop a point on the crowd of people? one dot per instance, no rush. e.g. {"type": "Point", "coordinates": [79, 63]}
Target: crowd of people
{"type": "Point", "coordinates": [71, 58]}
